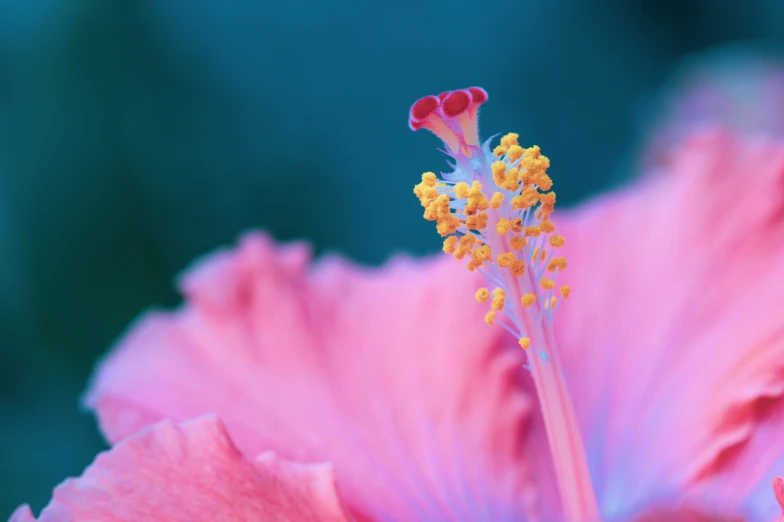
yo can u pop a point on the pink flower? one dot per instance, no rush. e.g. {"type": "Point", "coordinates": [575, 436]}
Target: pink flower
{"type": "Point", "coordinates": [655, 394]}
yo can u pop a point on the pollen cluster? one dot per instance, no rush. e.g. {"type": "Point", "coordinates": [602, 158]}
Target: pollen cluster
{"type": "Point", "coordinates": [494, 210]}
{"type": "Point", "coordinates": [520, 202]}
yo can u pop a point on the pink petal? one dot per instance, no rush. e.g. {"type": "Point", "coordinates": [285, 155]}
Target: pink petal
{"type": "Point", "coordinates": [391, 374]}
{"type": "Point", "coordinates": [22, 514]}
{"type": "Point", "coordinates": [674, 338]}
{"type": "Point", "coordinates": [189, 473]}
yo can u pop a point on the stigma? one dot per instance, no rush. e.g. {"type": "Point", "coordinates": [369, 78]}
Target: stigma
{"type": "Point", "coordinates": [494, 211]}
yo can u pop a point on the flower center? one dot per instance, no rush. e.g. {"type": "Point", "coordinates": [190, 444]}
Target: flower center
{"type": "Point", "coordinates": [494, 209]}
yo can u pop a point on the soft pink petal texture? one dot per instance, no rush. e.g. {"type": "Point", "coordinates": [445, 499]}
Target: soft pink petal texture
{"type": "Point", "coordinates": [673, 341]}
{"type": "Point", "coordinates": [22, 514]}
{"type": "Point", "coordinates": [390, 374]}
{"type": "Point", "coordinates": [683, 515]}
{"type": "Point", "coordinates": [739, 89]}
{"type": "Point", "coordinates": [190, 473]}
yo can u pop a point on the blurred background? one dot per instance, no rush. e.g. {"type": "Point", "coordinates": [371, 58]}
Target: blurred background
{"type": "Point", "coordinates": [135, 136]}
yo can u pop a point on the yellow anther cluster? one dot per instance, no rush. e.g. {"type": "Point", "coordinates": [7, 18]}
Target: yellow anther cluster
{"type": "Point", "coordinates": [450, 244]}
{"type": "Point", "coordinates": [499, 296]}
{"type": "Point", "coordinates": [532, 231]}
{"type": "Point", "coordinates": [506, 142]}
{"type": "Point", "coordinates": [438, 208]}
{"type": "Point", "coordinates": [506, 259]}
{"type": "Point", "coordinates": [464, 246]}
{"type": "Point", "coordinates": [476, 200]}
{"type": "Point", "coordinates": [556, 263]}
{"type": "Point", "coordinates": [479, 256]}
{"type": "Point", "coordinates": [518, 267]}
{"type": "Point", "coordinates": [503, 226]}
{"type": "Point", "coordinates": [566, 291]}
{"type": "Point", "coordinates": [557, 241]}
{"type": "Point", "coordinates": [512, 214]}
{"type": "Point", "coordinates": [518, 242]}
{"type": "Point", "coordinates": [477, 222]}
{"type": "Point", "coordinates": [525, 342]}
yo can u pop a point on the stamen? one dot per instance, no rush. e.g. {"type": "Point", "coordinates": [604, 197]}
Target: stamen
{"type": "Point", "coordinates": [489, 207]}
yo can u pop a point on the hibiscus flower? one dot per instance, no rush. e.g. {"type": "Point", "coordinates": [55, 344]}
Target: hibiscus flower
{"type": "Point", "coordinates": [643, 379]}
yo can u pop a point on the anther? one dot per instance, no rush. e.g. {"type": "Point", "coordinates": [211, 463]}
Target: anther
{"type": "Point", "coordinates": [483, 295]}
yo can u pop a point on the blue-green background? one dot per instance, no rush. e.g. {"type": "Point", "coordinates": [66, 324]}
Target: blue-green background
{"type": "Point", "coordinates": [135, 136]}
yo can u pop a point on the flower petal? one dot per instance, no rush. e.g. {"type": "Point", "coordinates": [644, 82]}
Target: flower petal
{"type": "Point", "coordinates": [22, 514]}
{"type": "Point", "coordinates": [391, 374]}
{"type": "Point", "coordinates": [674, 337]}
{"type": "Point", "coordinates": [189, 473]}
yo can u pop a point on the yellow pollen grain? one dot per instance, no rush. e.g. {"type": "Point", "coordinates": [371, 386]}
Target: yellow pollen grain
{"type": "Point", "coordinates": [477, 222]}
{"type": "Point", "coordinates": [533, 231]}
{"type": "Point", "coordinates": [566, 291]}
{"type": "Point", "coordinates": [447, 224]}
{"type": "Point", "coordinates": [489, 316]}
{"type": "Point", "coordinates": [499, 150]}
{"type": "Point", "coordinates": [518, 267]}
{"type": "Point", "coordinates": [546, 226]}
{"type": "Point", "coordinates": [557, 241]}
{"type": "Point", "coordinates": [506, 259]}
{"type": "Point", "coordinates": [483, 295]}
{"type": "Point", "coordinates": [527, 299]}
{"type": "Point", "coordinates": [509, 139]}
{"type": "Point", "coordinates": [450, 244]}
{"type": "Point", "coordinates": [483, 253]}
{"type": "Point", "coordinates": [498, 303]}
{"type": "Point", "coordinates": [476, 199]}
{"type": "Point", "coordinates": [464, 246]}
{"type": "Point", "coordinates": [503, 226]}
{"type": "Point", "coordinates": [438, 207]}
{"type": "Point", "coordinates": [479, 256]}
{"type": "Point", "coordinates": [560, 263]}
{"type": "Point", "coordinates": [547, 199]}
{"type": "Point", "coordinates": [517, 225]}
{"type": "Point", "coordinates": [518, 242]}
{"type": "Point", "coordinates": [499, 292]}
{"type": "Point", "coordinates": [461, 189]}
{"type": "Point", "coordinates": [525, 342]}
{"type": "Point", "coordinates": [536, 254]}
{"type": "Point", "coordinates": [496, 200]}
{"type": "Point", "coordinates": [515, 152]}
{"type": "Point", "coordinates": [429, 179]}
{"type": "Point", "coordinates": [547, 284]}
{"type": "Point", "coordinates": [544, 255]}
{"type": "Point", "coordinates": [518, 203]}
